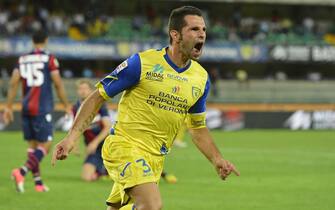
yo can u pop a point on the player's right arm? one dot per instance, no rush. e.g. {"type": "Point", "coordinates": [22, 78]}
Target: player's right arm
{"type": "Point", "coordinates": [106, 126]}
{"type": "Point", "coordinates": [60, 90]}
{"type": "Point", "coordinates": [125, 76]}
{"type": "Point", "coordinates": [12, 90]}
{"type": "Point", "coordinates": [83, 119]}
{"type": "Point", "coordinates": [53, 66]}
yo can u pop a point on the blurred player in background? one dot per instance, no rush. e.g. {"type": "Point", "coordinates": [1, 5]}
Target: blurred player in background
{"type": "Point", "coordinates": [94, 136]}
{"type": "Point", "coordinates": [169, 178]}
{"type": "Point", "coordinates": [161, 89]}
{"type": "Point", "coordinates": [37, 71]}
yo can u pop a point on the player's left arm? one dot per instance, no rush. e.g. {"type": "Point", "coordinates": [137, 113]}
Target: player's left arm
{"type": "Point", "coordinates": [12, 90]}
{"type": "Point", "coordinates": [203, 140]}
{"type": "Point", "coordinates": [106, 126]}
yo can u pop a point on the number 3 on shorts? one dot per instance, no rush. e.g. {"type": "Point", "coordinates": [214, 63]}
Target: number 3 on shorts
{"type": "Point", "coordinates": [146, 167]}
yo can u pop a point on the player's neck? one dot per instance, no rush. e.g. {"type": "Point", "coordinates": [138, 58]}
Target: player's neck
{"type": "Point", "coordinates": [177, 57]}
{"type": "Point", "coordinates": [39, 46]}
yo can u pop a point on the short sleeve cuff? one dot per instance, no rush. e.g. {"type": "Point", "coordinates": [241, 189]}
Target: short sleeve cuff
{"type": "Point", "coordinates": [196, 121]}
{"type": "Point", "coordinates": [102, 91]}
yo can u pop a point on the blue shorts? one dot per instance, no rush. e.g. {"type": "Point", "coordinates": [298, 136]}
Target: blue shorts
{"type": "Point", "coordinates": [96, 160]}
{"type": "Point", "coordinates": [37, 127]}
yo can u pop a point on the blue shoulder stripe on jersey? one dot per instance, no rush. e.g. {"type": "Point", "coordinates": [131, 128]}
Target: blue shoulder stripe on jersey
{"type": "Point", "coordinates": [123, 78]}
{"type": "Point", "coordinates": [174, 66]}
{"type": "Point", "coordinates": [200, 105]}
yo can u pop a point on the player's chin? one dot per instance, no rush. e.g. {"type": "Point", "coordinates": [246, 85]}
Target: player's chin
{"type": "Point", "coordinates": [195, 56]}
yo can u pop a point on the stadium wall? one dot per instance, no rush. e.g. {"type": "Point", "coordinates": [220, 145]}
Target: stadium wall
{"type": "Point", "coordinates": [231, 119]}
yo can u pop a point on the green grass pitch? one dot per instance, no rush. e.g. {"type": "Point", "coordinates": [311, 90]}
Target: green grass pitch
{"type": "Point", "coordinates": [279, 170]}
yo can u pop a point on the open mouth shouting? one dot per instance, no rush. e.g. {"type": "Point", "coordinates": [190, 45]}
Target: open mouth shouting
{"type": "Point", "coordinates": [197, 49]}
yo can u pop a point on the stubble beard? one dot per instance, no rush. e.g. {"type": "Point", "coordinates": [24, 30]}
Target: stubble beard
{"type": "Point", "coordinates": [185, 53]}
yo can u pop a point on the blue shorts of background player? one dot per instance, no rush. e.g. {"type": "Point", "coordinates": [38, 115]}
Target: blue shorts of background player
{"type": "Point", "coordinates": [93, 167]}
{"type": "Point", "coordinates": [37, 128]}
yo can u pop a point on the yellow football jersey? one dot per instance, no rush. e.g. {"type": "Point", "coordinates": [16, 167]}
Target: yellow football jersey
{"type": "Point", "coordinates": [158, 97]}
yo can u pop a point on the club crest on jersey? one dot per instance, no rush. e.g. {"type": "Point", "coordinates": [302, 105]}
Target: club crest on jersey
{"type": "Point", "coordinates": [196, 92]}
{"type": "Point", "coordinates": [156, 74]}
{"type": "Point", "coordinates": [122, 66]}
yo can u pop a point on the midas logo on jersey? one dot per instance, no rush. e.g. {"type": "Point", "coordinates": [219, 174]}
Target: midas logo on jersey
{"type": "Point", "coordinates": [156, 74]}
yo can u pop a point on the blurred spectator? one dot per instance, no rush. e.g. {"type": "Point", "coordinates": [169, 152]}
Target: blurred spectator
{"type": "Point", "coordinates": [214, 76]}
{"type": "Point", "coordinates": [87, 73]}
{"type": "Point", "coordinates": [4, 82]}
{"type": "Point", "coordinates": [67, 73]}
{"type": "Point", "coordinates": [57, 24]}
{"type": "Point", "coordinates": [281, 76]}
{"type": "Point", "coordinates": [232, 35]}
{"type": "Point", "coordinates": [308, 24]}
{"type": "Point", "coordinates": [138, 22]}
{"type": "Point", "coordinates": [99, 73]}
{"type": "Point", "coordinates": [157, 27]}
{"type": "Point", "coordinates": [23, 18]}
{"type": "Point", "coordinates": [242, 78]}
{"type": "Point", "coordinates": [98, 27]}
{"type": "Point", "coordinates": [77, 28]}
{"type": "Point", "coordinates": [285, 25]}
{"type": "Point", "coordinates": [314, 76]}
{"type": "Point", "coordinates": [218, 31]}
{"type": "Point", "coordinates": [236, 17]}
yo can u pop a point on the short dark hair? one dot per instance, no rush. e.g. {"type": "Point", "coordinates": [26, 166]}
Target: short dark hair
{"type": "Point", "coordinates": [176, 19]}
{"type": "Point", "coordinates": [39, 37]}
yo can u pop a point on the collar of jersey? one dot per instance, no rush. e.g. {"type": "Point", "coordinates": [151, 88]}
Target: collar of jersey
{"type": "Point", "coordinates": [174, 66]}
{"type": "Point", "coordinates": [38, 50]}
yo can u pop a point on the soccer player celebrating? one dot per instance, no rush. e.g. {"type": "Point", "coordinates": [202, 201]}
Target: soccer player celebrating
{"type": "Point", "coordinates": [37, 70]}
{"type": "Point", "coordinates": [161, 88]}
{"type": "Point", "coordinates": [94, 136]}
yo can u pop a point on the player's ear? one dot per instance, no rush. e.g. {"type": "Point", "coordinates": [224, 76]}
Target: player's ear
{"type": "Point", "coordinates": [175, 35]}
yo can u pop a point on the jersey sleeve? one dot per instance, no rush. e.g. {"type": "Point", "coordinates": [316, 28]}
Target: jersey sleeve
{"type": "Point", "coordinates": [53, 63]}
{"type": "Point", "coordinates": [126, 75]}
{"type": "Point", "coordinates": [196, 117]}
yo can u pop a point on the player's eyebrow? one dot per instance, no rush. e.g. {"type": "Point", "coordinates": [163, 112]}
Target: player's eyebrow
{"type": "Point", "coordinates": [195, 28]}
